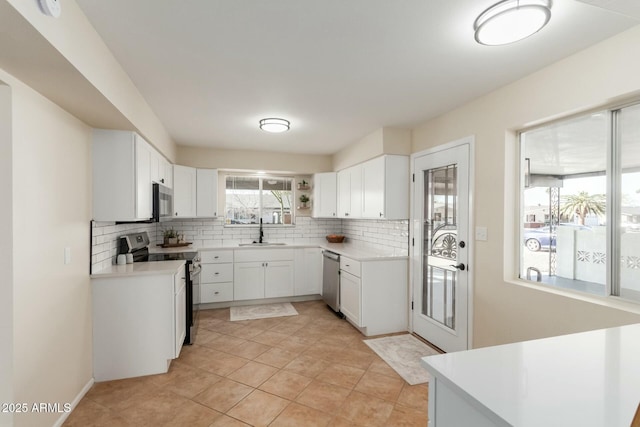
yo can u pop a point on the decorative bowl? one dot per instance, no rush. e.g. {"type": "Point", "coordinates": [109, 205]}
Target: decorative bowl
{"type": "Point", "coordinates": [335, 238]}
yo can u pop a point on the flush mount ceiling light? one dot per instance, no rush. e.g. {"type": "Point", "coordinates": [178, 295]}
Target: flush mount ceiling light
{"type": "Point", "coordinates": [511, 20]}
{"type": "Point", "coordinates": [274, 125]}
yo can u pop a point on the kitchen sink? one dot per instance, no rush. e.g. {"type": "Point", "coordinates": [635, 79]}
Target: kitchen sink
{"type": "Point", "coordinates": [262, 244]}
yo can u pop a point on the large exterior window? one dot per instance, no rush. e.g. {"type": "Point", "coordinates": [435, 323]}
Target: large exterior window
{"type": "Point", "coordinates": [580, 203]}
{"type": "Point", "coordinates": [250, 198]}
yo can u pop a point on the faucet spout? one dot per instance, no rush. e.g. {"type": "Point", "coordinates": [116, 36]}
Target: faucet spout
{"type": "Point", "coordinates": [261, 232]}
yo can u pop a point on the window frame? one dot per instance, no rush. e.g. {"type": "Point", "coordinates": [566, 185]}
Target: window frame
{"type": "Point", "coordinates": [613, 173]}
{"type": "Point", "coordinates": [261, 178]}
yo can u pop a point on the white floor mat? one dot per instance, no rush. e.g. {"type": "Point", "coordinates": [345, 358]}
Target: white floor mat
{"type": "Point", "coordinates": [249, 312]}
{"type": "Point", "coordinates": [403, 353]}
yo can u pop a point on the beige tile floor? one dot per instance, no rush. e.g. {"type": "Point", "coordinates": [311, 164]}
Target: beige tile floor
{"type": "Point", "coordinates": [307, 370]}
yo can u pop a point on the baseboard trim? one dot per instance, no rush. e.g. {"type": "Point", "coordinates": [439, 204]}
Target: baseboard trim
{"type": "Point", "coordinates": [65, 415]}
{"type": "Point", "coordinates": [301, 298]}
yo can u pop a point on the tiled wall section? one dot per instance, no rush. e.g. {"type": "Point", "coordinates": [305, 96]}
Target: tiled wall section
{"type": "Point", "coordinates": [104, 247]}
{"type": "Point", "coordinates": [211, 232]}
{"type": "Point", "coordinates": [378, 234]}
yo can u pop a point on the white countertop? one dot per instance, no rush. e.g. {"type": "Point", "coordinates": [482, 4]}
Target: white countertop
{"type": "Point", "coordinates": [139, 268]}
{"type": "Point", "coordinates": [354, 251]}
{"type": "Point", "coordinates": [586, 379]}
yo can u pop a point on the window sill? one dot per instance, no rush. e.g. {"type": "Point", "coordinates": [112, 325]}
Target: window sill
{"type": "Point", "coordinates": [605, 301]}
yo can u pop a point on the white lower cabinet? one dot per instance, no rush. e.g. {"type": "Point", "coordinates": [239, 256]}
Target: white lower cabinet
{"type": "Point", "coordinates": [374, 295]}
{"type": "Point", "coordinates": [139, 323]}
{"type": "Point", "coordinates": [278, 279]}
{"type": "Point", "coordinates": [216, 276]}
{"type": "Point", "coordinates": [262, 273]}
{"type": "Point", "coordinates": [351, 297]}
{"type": "Point", "coordinates": [180, 310]}
{"type": "Point", "coordinates": [308, 272]}
{"type": "Point", "coordinates": [248, 280]}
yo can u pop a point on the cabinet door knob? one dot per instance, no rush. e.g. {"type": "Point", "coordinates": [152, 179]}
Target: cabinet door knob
{"type": "Point", "coordinates": [380, 213]}
{"type": "Point", "coordinates": [162, 180]}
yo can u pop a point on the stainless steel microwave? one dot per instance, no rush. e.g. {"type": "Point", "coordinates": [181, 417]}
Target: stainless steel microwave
{"type": "Point", "coordinates": [162, 203]}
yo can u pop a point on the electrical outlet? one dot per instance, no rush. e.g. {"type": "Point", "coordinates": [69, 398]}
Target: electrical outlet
{"type": "Point", "coordinates": [481, 233]}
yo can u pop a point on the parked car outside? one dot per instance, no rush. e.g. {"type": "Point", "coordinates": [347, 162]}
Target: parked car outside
{"type": "Point", "coordinates": [536, 239]}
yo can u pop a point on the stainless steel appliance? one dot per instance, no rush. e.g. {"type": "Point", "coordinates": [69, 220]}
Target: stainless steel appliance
{"type": "Point", "coordinates": [137, 244]}
{"type": "Point", "coordinates": [162, 203]}
{"type": "Point", "coordinates": [331, 280]}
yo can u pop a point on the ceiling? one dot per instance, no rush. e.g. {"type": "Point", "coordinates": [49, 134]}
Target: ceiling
{"type": "Point", "coordinates": [337, 69]}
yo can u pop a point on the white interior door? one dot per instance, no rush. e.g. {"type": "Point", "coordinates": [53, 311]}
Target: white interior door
{"type": "Point", "coordinates": [441, 246]}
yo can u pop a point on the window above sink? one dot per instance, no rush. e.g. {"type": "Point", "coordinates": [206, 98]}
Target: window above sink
{"type": "Point", "coordinates": [251, 198]}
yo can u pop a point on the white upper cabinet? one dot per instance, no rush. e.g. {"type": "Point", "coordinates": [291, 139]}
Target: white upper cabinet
{"type": "Point", "coordinates": [184, 191]}
{"type": "Point", "coordinates": [350, 192]}
{"type": "Point", "coordinates": [144, 196]}
{"type": "Point", "coordinates": [195, 192]}
{"type": "Point", "coordinates": [166, 172]}
{"type": "Point", "coordinates": [385, 187]}
{"type": "Point", "coordinates": [161, 170]}
{"type": "Point", "coordinates": [154, 167]}
{"type": "Point", "coordinates": [121, 176]}
{"type": "Point", "coordinates": [325, 195]}
{"type": "Point", "coordinates": [373, 188]}
{"type": "Point", "coordinates": [207, 193]}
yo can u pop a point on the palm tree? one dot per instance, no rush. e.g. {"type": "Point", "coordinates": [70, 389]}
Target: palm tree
{"type": "Point", "coordinates": [582, 204]}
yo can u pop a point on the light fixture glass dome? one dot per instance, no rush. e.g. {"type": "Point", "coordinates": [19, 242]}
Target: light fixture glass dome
{"type": "Point", "coordinates": [274, 125]}
{"type": "Point", "coordinates": [511, 20]}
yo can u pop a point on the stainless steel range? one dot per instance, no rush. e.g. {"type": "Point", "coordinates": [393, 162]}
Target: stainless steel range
{"type": "Point", "coordinates": [138, 245]}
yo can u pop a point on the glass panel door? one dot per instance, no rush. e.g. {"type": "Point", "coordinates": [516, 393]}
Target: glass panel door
{"type": "Point", "coordinates": [440, 244]}
{"type": "Point", "coordinates": [440, 221]}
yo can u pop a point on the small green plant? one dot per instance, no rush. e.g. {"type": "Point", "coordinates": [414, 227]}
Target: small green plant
{"type": "Point", "coordinates": [304, 198]}
{"type": "Point", "coordinates": [304, 183]}
{"type": "Point", "coordinates": [170, 234]}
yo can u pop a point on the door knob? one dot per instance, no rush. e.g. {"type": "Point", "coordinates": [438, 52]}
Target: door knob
{"type": "Point", "coordinates": [459, 266]}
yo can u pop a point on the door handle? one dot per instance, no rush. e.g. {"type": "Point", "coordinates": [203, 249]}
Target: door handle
{"type": "Point", "coordinates": [460, 266]}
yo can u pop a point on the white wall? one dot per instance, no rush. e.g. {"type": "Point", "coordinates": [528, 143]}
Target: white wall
{"type": "Point", "coordinates": [504, 311]}
{"type": "Point", "coordinates": [6, 260]}
{"type": "Point", "coordinates": [75, 38]}
{"type": "Point", "coordinates": [199, 157]}
{"type": "Point", "coordinates": [51, 184]}
{"type": "Point", "coordinates": [385, 140]}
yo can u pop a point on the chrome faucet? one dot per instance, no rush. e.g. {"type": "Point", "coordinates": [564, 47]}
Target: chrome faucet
{"type": "Point", "coordinates": [261, 232]}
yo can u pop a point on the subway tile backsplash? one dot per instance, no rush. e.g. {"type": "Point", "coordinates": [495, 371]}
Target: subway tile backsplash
{"type": "Point", "coordinates": [212, 232]}
{"type": "Point", "coordinates": [380, 234]}
{"type": "Point", "coordinates": [376, 234]}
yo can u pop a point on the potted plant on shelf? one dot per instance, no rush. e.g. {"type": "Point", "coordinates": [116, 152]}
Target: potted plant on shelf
{"type": "Point", "coordinates": [303, 185]}
{"type": "Point", "coordinates": [304, 199]}
{"type": "Point", "coordinates": [170, 237]}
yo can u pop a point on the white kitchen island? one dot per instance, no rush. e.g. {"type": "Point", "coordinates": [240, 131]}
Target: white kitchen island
{"type": "Point", "coordinates": [587, 379]}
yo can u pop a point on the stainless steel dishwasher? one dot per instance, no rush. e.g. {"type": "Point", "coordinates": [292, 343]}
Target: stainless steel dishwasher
{"type": "Point", "coordinates": [331, 280]}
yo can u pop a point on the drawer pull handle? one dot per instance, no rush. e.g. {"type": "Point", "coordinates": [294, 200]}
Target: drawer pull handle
{"type": "Point", "coordinates": [347, 265]}
{"type": "Point", "coordinates": [216, 292]}
{"type": "Point", "coordinates": [216, 257]}
{"type": "Point", "coordinates": [216, 273]}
